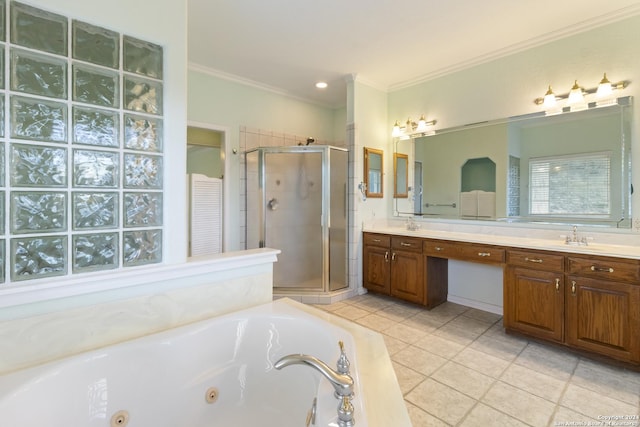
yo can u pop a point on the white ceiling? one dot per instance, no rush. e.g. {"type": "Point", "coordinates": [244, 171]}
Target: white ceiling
{"type": "Point", "coordinates": [288, 45]}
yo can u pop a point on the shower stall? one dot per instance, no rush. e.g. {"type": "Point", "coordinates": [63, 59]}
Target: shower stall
{"type": "Point", "coordinates": [296, 201]}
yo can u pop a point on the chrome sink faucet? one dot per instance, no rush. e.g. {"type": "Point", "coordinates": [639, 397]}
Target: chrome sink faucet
{"type": "Point", "coordinates": [574, 239]}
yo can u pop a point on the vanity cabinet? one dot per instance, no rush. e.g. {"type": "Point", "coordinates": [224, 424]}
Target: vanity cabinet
{"type": "Point", "coordinates": [407, 269]}
{"type": "Point", "coordinates": [534, 294]}
{"type": "Point", "coordinates": [394, 265]}
{"type": "Point", "coordinates": [376, 267]}
{"type": "Point", "coordinates": [603, 306]}
{"type": "Point", "coordinates": [584, 302]}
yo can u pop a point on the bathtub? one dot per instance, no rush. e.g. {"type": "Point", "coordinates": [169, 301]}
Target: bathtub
{"type": "Point", "coordinates": [217, 372]}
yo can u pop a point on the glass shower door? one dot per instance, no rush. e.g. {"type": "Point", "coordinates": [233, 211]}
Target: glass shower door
{"type": "Point", "coordinates": [293, 218]}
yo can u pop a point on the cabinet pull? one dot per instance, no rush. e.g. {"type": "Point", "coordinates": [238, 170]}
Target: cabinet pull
{"type": "Point", "coordinates": [386, 256]}
{"type": "Point", "coordinates": [484, 253]}
{"type": "Point", "coordinates": [405, 244]}
{"type": "Point", "coordinates": [438, 248]}
{"type": "Point", "coordinates": [557, 285]}
{"type": "Point", "coordinates": [602, 269]}
{"type": "Point", "coordinates": [377, 240]}
{"type": "Point", "coordinates": [573, 288]}
{"type": "Point", "coordinates": [393, 257]}
{"type": "Point", "coordinates": [537, 260]}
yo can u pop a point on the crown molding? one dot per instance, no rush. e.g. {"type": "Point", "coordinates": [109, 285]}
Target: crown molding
{"type": "Point", "coordinates": [192, 66]}
{"type": "Point", "coordinates": [571, 30]}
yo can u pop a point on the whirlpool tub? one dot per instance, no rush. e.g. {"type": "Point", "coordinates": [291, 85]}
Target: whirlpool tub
{"type": "Point", "coordinates": [218, 372]}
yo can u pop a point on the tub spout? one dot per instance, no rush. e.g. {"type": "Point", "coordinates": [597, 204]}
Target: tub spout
{"type": "Point", "coordinates": [342, 383]}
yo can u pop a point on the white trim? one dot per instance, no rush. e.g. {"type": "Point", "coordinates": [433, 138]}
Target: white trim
{"type": "Point", "coordinates": [491, 308]}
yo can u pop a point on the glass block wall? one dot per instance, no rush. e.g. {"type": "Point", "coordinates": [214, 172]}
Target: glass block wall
{"type": "Point", "coordinates": [81, 147]}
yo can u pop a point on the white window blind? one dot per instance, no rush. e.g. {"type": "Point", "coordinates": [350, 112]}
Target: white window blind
{"type": "Point", "coordinates": [575, 185]}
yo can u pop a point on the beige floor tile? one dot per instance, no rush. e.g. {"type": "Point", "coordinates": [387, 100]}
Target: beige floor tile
{"type": "Point", "coordinates": [420, 418]}
{"type": "Point", "coordinates": [536, 383]}
{"type": "Point", "coordinates": [397, 312]}
{"type": "Point", "coordinates": [483, 415]}
{"type": "Point", "coordinates": [617, 383]}
{"type": "Point", "coordinates": [463, 379]}
{"type": "Point", "coordinates": [548, 360]}
{"type": "Point", "coordinates": [405, 333]}
{"type": "Point", "coordinates": [594, 404]}
{"type": "Point", "coordinates": [565, 416]}
{"type": "Point", "coordinates": [456, 334]}
{"type": "Point", "coordinates": [407, 377]}
{"type": "Point", "coordinates": [450, 308]}
{"type": "Point", "coordinates": [419, 360]}
{"type": "Point", "coordinates": [376, 322]}
{"type": "Point", "coordinates": [438, 345]}
{"type": "Point", "coordinates": [481, 362]}
{"type": "Point", "coordinates": [350, 312]}
{"type": "Point", "coordinates": [478, 327]}
{"type": "Point", "coordinates": [441, 401]}
{"type": "Point", "coordinates": [422, 322]}
{"type": "Point", "coordinates": [370, 303]}
{"type": "Point", "coordinates": [504, 349]}
{"type": "Point", "coordinates": [393, 345]}
{"type": "Point", "coordinates": [481, 315]}
{"type": "Point", "coordinates": [333, 307]}
{"type": "Point", "coordinates": [519, 404]}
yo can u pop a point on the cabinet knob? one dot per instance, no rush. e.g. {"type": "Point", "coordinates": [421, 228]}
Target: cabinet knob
{"type": "Point", "coordinates": [438, 248]}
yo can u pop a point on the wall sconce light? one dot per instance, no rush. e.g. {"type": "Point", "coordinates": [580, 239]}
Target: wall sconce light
{"type": "Point", "coordinates": [577, 94]}
{"type": "Point", "coordinates": [412, 129]}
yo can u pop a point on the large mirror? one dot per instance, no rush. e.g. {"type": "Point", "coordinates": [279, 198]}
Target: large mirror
{"type": "Point", "coordinates": [373, 174]}
{"type": "Point", "coordinates": [572, 168]}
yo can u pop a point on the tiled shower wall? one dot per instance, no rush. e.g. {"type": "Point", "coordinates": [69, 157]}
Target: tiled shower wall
{"type": "Point", "coordinates": [254, 138]}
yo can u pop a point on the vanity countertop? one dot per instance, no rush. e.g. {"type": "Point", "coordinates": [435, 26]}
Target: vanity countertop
{"type": "Point", "coordinates": [489, 238]}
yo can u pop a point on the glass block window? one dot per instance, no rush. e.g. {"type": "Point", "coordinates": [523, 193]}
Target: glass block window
{"type": "Point", "coordinates": [81, 147]}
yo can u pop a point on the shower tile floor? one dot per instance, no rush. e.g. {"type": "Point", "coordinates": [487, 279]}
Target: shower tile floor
{"type": "Point", "coordinates": [456, 367]}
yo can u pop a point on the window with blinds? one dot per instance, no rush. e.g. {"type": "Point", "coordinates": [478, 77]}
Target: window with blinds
{"type": "Point", "coordinates": [575, 185]}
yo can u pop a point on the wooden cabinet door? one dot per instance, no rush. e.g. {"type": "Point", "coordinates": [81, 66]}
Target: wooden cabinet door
{"type": "Point", "coordinates": [407, 276]}
{"type": "Point", "coordinates": [534, 302]}
{"type": "Point", "coordinates": [604, 317]}
{"type": "Point", "coordinates": [376, 269]}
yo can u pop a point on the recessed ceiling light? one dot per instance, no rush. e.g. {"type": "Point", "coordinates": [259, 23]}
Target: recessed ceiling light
{"type": "Point", "coordinates": [321, 85]}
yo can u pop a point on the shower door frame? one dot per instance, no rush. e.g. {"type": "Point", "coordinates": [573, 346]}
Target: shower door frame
{"type": "Point", "coordinates": [325, 217]}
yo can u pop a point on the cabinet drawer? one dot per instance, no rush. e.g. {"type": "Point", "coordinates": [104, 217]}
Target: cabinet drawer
{"type": "Point", "coordinates": [536, 260]}
{"type": "Point", "coordinates": [605, 268]}
{"type": "Point", "coordinates": [382, 240]}
{"type": "Point", "coordinates": [480, 253]}
{"type": "Point", "coordinates": [439, 248]}
{"type": "Point", "coordinates": [409, 244]}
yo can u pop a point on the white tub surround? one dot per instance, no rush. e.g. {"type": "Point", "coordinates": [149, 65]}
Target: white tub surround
{"type": "Point", "coordinates": [231, 358]}
{"type": "Point", "coordinates": [38, 326]}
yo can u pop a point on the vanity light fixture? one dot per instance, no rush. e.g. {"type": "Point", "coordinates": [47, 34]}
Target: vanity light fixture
{"type": "Point", "coordinates": [412, 129]}
{"type": "Point", "coordinates": [577, 94]}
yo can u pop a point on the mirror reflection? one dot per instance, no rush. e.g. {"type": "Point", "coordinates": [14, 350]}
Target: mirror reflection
{"type": "Point", "coordinates": [373, 172]}
{"type": "Point", "coordinates": [566, 168]}
{"type": "Point", "coordinates": [400, 175]}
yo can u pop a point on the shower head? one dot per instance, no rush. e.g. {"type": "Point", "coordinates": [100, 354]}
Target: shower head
{"type": "Point", "coordinates": [310, 140]}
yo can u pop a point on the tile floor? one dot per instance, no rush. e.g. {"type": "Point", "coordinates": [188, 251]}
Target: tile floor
{"type": "Point", "coordinates": [457, 367]}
